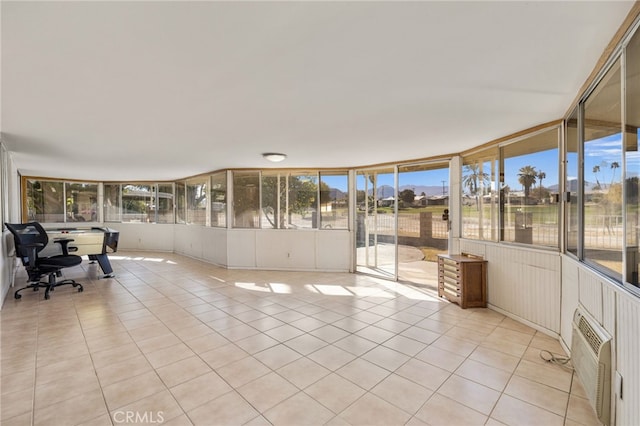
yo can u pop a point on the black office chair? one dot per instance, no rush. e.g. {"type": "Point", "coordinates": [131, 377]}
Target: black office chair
{"type": "Point", "coordinates": [30, 238]}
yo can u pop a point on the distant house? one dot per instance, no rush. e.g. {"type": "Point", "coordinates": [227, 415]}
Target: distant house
{"type": "Point", "coordinates": [386, 202]}
{"type": "Point", "coordinates": [420, 201]}
{"type": "Point", "coordinates": [438, 200]}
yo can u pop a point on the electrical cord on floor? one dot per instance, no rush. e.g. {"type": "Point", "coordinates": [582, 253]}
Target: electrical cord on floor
{"type": "Point", "coordinates": [555, 359]}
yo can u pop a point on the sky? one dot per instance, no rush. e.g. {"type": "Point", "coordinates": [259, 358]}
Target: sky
{"type": "Point", "coordinates": [601, 152]}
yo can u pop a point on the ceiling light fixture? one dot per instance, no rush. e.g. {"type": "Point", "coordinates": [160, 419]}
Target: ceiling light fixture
{"type": "Point", "coordinates": [274, 156]}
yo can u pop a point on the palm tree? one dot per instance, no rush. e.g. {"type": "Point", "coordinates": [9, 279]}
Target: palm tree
{"type": "Point", "coordinates": [614, 166]}
{"type": "Point", "coordinates": [541, 175]}
{"type": "Point", "coordinates": [596, 170]}
{"type": "Point", "coordinates": [527, 178]}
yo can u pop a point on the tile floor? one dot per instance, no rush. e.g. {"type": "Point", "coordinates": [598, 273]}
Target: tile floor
{"type": "Point", "coordinates": [175, 341]}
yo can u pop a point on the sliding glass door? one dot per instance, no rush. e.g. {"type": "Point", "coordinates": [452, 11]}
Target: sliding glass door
{"type": "Point", "coordinates": [376, 222]}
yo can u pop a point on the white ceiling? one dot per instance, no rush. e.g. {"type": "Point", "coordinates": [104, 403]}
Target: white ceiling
{"type": "Point", "coordinates": [164, 90]}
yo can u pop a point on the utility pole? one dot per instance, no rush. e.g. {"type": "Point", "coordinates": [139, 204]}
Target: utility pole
{"type": "Point", "coordinates": [443, 182]}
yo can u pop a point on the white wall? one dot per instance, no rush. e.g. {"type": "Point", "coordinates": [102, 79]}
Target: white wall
{"type": "Point", "coordinates": [7, 261]}
{"type": "Point", "coordinates": [308, 250]}
{"type": "Point", "coordinates": [522, 282]}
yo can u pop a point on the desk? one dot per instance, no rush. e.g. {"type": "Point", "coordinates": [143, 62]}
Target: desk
{"type": "Point", "coordinates": [92, 242]}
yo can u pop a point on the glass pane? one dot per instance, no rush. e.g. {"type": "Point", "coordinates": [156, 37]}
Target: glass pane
{"type": "Point", "coordinates": [572, 169]}
{"type": "Point", "coordinates": [529, 190]}
{"type": "Point", "coordinates": [82, 202]}
{"type": "Point", "coordinates": [302, 202]}
{"type": "Point", "coordinates": [246, 199]}
{"type": "Point", "coordinates": [334, 200]}
{"type": "Point", "coordinates": [112, 202]}
{"type": "Point", "coordinates": [219, 200]}
{"type": "Point", "coordinates": [164, 211]}
{"type": "Point", "coordinates": [480, 196]}
{"type": "Point", "coordinates": [423, 227]}
{"type": "Point", "coordinates": [632, 159]}
{"type": "Point", "coordinates": [181, 210]}
{"type": "Point", "coordinates": [376, 222]}
{"type": "Point", "coordinates": [137, 203]}
{"type": "Point", "coordinates": [45, 201]}
{"type": "Point", "coordinates": [603, 228]}
{"type": "Point", "coordinates": [197, 201]}
{"type": "Point", "coordinates": [273, 200]}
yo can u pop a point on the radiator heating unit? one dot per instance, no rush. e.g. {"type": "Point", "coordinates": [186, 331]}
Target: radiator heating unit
{"type": "Point", "coordinates": [591, 359]}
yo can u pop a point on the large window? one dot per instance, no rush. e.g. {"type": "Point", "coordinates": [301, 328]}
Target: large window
{"type": "Point", "coordinates": [274, 200]}
{"type": "Point", "coordinates": [50, 201]}
{"type": "Point", "coordinates": [334, 200]}
{"type": "Point", "coordinates": [137, 203]}
{"type": "Point", "coordinates": [572, 173]}
{"type": "Point", "coordinates": [164, 203]}
{"type": "Point", "coordinates": [602, 187]}
{"type": "Point", "coordinates": [219, 199]}
{"type": "Point", "coordinates": [302, 200]}
{"type": "Point", "coordinates": [632, 160]}
{"type": "Point", "coordinates": [197, 201]}
{"type": "Point", "coordinates": [246, 199]}
{"type": "Point", "coordinates": [480, 195]}
{"type": "Point", "coordinates": [529, 190]}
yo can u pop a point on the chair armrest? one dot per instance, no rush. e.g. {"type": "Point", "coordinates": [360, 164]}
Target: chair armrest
{"type": "Point", "coordinates": [32, 254]}
{"type": "Point", "coordinates": [64, 242]}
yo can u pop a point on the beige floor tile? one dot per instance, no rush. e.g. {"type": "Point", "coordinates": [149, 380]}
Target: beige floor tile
{"type": "Point", "coordinates": [110, 356]}
{"type": "Point", "coordinates": [267, 391]}
{"type": "Point", "coordinates": [156, 408]}
{"type": "Point", "coordinates": [547, 374]}
{"type": "Point", "coordinates": [200, 390]}
{"type": "Point", "coordinates": [331, 357]}
{"type": "Point", "coordinates": [372, 410]}
{"type": "Point", "coordinates": [470, 394]}
{"type": "Point", "coordinates": [481, 373]}
{"type": "Point", "coordinates": [512, 411]}
{"type": "Point", "coordinates": [405, 345]}
{"type": "Point", "coordinates": [256, 343]}
{"type": "Point", "coordinates": [300, 409]}
{"type": "Point", "coordinates": [440, 358]}
{"type": "Point", "coordinates": [181, 420]}
{"type": "Point", "coordinates": [176, 312]}
{"type": "Point", "coordinates": [581, 411]}
{"type": "Point", "coordinates": [182, 371]}
{"type": "Point", "coordinates": [22, 420]}
{"type": "Point", "coordinates": [543, 396]}
{"type": "Point", "coordinates": [14, 404]}
{"type": "Point", "coordinates": [65, 388]}
{"type": "Point", "coordinates": [402, 393]}
{"type": "Point", "coordinates": [122, 370]}
{"type": "Point", "coordinates": [496, 359]}
{"type": "Point", "coordinates": [75, 410]}
{"type": "Point", "coordinates": [329, 333]}
{"type": "Point", "coordinates": [442, 411]}
{"type": "Point", "coordinates": [228, 409]}
{"type": "Point", "coordinates": [223, 355]}
{"type": "Point", "coordinates": [457, 346]}
{"type": "Point", "coordinates": [169, 355]}
{"type": "Point", "coordinates": [355, 344]}
{"type": "Point", "coordinates": [334, 392]}
{"type": "Point", "coordinates": [305, 344]}
{"type": "Point", "coordinates": [375, 334]}
{"type": "Point", "coordinates": [277, 356]}
{"type": "Point", "coordinates": [386, 358]}
{"type": "Point", "coordinates": [363, 373]}
{"type": "Point", "coordinates": [18, 382]}
{"type": "Point", "coordinates": [424, 374]}
{"type": "Point", "coordinates": [132, 389]}
{"type": "Point", "coordinates": [243, 371]}
{"type": "Point", "coordinates": [303, 372]}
